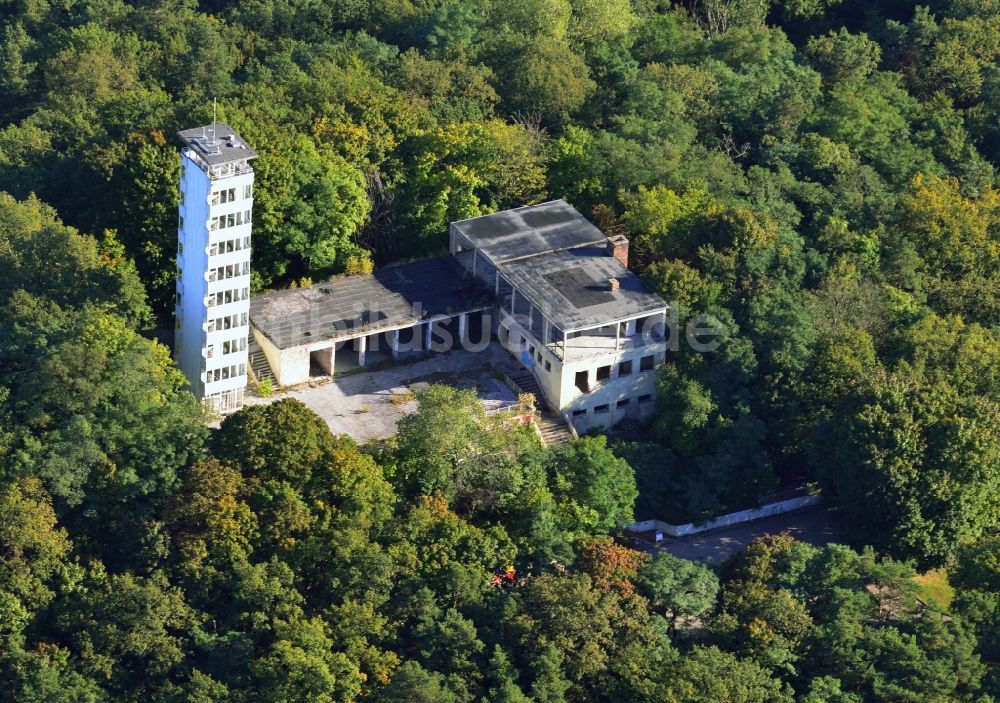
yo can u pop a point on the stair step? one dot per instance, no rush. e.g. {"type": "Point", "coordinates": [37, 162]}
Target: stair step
{"type": "Point", "coordinates": [552, 429]}
{"type": "Point", "coordinates": [258, 363]}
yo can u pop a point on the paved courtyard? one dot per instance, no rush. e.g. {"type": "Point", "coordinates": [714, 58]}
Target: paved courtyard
{"type": "Point", "coordinates": [367, 405]}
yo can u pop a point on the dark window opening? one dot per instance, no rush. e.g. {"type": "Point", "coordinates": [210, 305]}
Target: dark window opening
{"type": "Point", "coordinates": [603, 373]}
{"type": "Point", "coordinates": [646, 364]}
{"type": "Point", "coordinates": [625, 368]}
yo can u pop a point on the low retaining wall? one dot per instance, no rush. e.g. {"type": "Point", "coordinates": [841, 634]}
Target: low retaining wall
{"type": "Point", "coordinates": [692, 528]}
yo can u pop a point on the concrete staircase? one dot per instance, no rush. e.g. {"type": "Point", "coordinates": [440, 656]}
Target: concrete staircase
{"type": "Point", "coordinates": [552, 427]}
{"type": "Point", "coordinates": [259, 368]}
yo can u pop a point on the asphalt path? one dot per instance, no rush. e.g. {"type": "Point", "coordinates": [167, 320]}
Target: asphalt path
{"type": "Point", "coordinates": [813, 525]}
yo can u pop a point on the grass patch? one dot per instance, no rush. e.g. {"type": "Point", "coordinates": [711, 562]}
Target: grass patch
{"type": "Point", "coordinates": [935, 588]}
{"type": "Point", "coordinates": [402, 398]}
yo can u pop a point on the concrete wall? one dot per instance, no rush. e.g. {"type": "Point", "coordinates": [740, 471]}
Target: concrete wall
{"type": "Point", "coordinates": [609, 392]}
{"type": "Point", "coordinates": [191, 333]}
{"type": "Point", "coordinates": [737, 518]}
{"type": "Point", "coordinates": [290, 366]}
{"type": "Point", "coordinates": [558, 380]}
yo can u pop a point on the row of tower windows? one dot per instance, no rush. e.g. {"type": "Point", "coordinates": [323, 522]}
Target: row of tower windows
{"type": "Point", "coordinates": [233, 219]}
{"type": "Point", "coordinates": [228, 347]}
{"type": "Point", "coordinates": [230, 245]}
{"type": "Point", "coordinates": [228, 296]}
{"type": "Point", "coordinates": [228, 195]}
{"type": "Point", "coordinates": [224, 272]}
{"type": "Point", "coordinates": [227, 322]}
{"type": "Point", "coordinates": [225, 372]}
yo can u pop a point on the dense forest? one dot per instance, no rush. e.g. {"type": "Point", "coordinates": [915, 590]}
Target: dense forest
{"type": "Point", "coordinates": [817, 176]}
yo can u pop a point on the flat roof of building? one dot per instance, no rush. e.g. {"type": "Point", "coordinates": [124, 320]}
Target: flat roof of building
{"type": "Point", "coordinates": [347, 307]}
{"type": "Point", "coordinates": [529, 231]}
{"type": "Point", "coordinates": [218, 144]}
{"type": "Point", "coordinates": [572, 287]}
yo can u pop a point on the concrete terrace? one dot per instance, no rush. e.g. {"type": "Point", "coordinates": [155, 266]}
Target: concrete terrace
{"type": "Point", "coordinates": [361, 404]}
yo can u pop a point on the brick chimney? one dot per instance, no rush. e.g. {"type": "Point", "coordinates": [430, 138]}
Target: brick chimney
{"type": "Point", "coordinates": [613, 284]}
{"type": "Point", "coordinates": [618, 248]}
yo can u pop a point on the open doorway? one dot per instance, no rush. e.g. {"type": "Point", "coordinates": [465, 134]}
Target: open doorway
{"type": "Point", "coordinates": [321, 362]}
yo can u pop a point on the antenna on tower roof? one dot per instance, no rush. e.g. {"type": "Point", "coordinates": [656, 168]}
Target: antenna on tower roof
{"type": "Point", "coordinates": [214, 119]}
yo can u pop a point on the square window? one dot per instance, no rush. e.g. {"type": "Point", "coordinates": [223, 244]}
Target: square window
{"type": "Point", "coordinates": [603, 373]}
{"type": "Point", "coordinates": [646, 363]}
{"type": "Point", "coordinates": [625, 368]}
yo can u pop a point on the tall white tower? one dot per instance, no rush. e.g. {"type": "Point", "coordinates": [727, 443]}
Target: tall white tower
{"type": "Point", "coordinates": [213, 264]}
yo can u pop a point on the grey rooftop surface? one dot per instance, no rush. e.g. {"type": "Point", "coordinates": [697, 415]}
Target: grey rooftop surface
{"type": "Point", "coordinates": [344, 308]}
{"type": "Point", "coordinates": [571, 288]}
{"type": "Point", "coordinates": [226, 146]}
{"type": "Point", "coordinates": [529, 231]}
